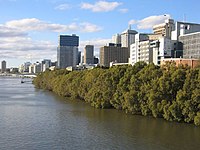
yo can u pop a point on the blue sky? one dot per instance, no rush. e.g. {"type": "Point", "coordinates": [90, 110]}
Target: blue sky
{"type": "Point", "coordinates": [29, 29]}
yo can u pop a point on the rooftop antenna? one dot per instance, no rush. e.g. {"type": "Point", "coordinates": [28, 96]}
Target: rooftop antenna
{"type": "Point", "coordinates": [129, 26]}
{"type": "Point", "coordinates": [184, 17]}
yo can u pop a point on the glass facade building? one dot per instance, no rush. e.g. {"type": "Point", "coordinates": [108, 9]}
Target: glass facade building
{"type": "Point", "coordinates": [67, 51]}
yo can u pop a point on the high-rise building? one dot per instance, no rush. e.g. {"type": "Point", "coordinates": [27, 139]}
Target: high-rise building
{"type": "Point", "coordinates": [79, 57]}
{"type": "Point", "coordinates": [182, 28]}
{"type": "Point", "coordinates": [35, 68]}
{"type": "Point", "coordinates": [164, 29]}
{"type": "Point", "coordinates": [89, 54]}
{"type": "Point", "coordinates": [3, 66]}
{"type": "Point", "coordinates": [113, 53]}
{"type": "Point", "coordinates": [69, 40]}
{"type": "Point", "coordinates": [67, 51]}
{"type": "Point", "coordinates": [128, 37]}
{"type": "Point", "coordinates": [135, 47]}
{"type": "Point", "coordinates": [46, 63]}
{"type": "Point", "coordinates": [116, 39]}
{"type": "Point", "coordinates": [191, 45]}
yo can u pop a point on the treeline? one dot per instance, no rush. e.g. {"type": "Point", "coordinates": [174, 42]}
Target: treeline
{"type": "Point", "coordinates": [169, 92]}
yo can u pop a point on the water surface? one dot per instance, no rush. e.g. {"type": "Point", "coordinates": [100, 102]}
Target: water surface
{"type": "Point", "coordinates": [40, 120]}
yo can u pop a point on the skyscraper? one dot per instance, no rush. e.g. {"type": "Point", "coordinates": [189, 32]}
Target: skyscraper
{"type": "Point", "coordinates": [128, 37]}
{"type": "Point", "coordinates": [67, 51]}
{"type": "Point", "coordinates": [3, 66]}
{"type": "Point", "coordinates": [89, 54]}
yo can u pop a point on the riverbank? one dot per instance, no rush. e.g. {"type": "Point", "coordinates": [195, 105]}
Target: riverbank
{"type": "Point", "coordinates": [169, 92]}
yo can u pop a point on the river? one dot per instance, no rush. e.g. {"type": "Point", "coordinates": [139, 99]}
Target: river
{"type": "Point", "coordinates": [33, 119]}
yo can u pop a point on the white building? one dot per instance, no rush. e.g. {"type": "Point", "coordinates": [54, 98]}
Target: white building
{"type": "Point", "coordinates": [46, 63]}
{"type": "Point", "coordinates": [151, 51]}
{"type": "Point", "coordinates": [128, 37]}
{"type": "Point", "coordinates": [162, 48]}
{"type": "Point", "coordinates": [164, 29]}
{"type": "Point", "coordinates": [35, 68]}
{"type": "Point", "coordinates": [135, 47]}
{"type": "Point", "coordinates": [182, 28]}
{"type": "Point", "coordinates": [116, 39]}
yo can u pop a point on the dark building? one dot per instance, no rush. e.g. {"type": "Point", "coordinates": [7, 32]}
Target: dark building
{"type": "Point", "coordinates": [96, 60]}
{"type": "Point", "coordinates": [89, 54]}
{"type": "Point", "coordinates": [3, 66]}
{"type": "Point", "coordinates": [68, 40]}
{"type": "Point", "coordinates": [79, 57]}
{"type": "Point", "coordinates": [67, 51]}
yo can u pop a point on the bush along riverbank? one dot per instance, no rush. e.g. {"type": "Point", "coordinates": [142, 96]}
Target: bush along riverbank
{"type": "Point", "coordinates": [169, 92]}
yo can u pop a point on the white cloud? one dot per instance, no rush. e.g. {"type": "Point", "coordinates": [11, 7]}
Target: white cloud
{"type": "Point", "coordinates": [101, 6]}
{"type": "Point", "coordinates": [149, 22]}
{"type": "Point", "coordinates": [10, 32]}
{"type": "Point", "coordinates": [88, 27]}
{"type": "Point", "coordinates": [23, 47]}
{"type": "Point", "coordinates": [15, 42]}
{"type": "Point", "coordinates": [133, 22]}
{"type": "Point", "coordinates": [34, 24]}
{"type": "Point", "coordinates": [123, 10]}
{"type": "Point", "coordinates": [63, 7]}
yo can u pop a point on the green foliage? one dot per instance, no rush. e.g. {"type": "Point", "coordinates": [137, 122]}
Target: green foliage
{"type": "Point", "coordinates": [170, 92]}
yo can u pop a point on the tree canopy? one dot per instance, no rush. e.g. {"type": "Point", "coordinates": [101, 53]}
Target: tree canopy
{"type": "Point", "coordinates": [169, 92]}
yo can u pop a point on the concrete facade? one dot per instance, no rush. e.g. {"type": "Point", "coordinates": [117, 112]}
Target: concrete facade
{"type": "Point", "coordinates": [116, 39]}
{"type": "Point", "coordinates": [191, 45]}
{"type": "Point", "coordinates": [113, 53]}
{"type": "Point", "coordinates": [89, 54]}
{"type": "Point", "coordinates": [165, 28]}
{"type": "Point", "coordinates": [182, 28]}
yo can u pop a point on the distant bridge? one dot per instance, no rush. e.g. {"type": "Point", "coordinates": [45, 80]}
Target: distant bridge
{"type": "Point", "coordinates": [27, 75]}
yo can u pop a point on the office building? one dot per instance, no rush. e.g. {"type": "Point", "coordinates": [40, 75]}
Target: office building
{"type": "Point", "coordinates": [116, 39]}
{"type": "Point", "coordinates": [182, 28]}
{"type": "Point", "coordinates": [191, 45]}
{"type": "Point", "coordinates": [113, 53]}
{"type": "Point", "coordinates": [69, 40]}
{"type": "Point", "coordinates": [163, 48]}
{"type": "Point", "coordinates": [135, 47]}
{"type": "Point", "coordinates": [35, 68]}
{"type": "Point", "coordinates": [89, 54]}
{"type": "Point", "coordinates": [3, 66]}
{"type": "Point", "coordinates": [67, 51]}
{"type": "Point", "coordinates": [164, 29]}
{"type": "Point", "coordinates": [141, 52]}
{"type": "Point", "coordinates": [128, 37]}
{"type": "Point", "coordinates": [45, 64]}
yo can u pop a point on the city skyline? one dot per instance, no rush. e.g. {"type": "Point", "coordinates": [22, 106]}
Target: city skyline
{"type": "Point", "coordinates": [29, 30]}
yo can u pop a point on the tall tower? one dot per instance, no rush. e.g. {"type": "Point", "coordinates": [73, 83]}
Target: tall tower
{"type": "Point", "coordinates": [128, 38]}
{"type": "Point", "coordinates": [116, 39]}
{"type": "Point", "coordinates": [3, 66]}
{"type": "Point", "coordinates": [67, 51]}
{"type": "Point", "coordinates": [89, 54]}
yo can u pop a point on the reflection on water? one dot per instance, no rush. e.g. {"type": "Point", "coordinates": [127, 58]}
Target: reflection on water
{"type": "Point", "coordinates": [37, 119]}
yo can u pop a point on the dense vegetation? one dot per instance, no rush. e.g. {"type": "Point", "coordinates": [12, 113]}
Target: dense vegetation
{"type": "Point", "coordinates": [170, 92]}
